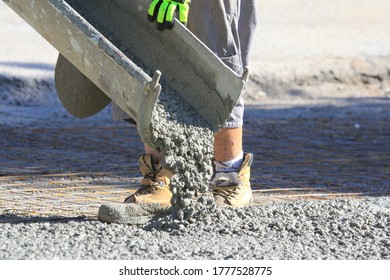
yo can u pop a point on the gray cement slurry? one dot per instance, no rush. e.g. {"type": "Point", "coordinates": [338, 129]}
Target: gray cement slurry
{"type": "Point", "coordinates": [187, 145]}
{"type": "Point", "coordinates": [330, 229]}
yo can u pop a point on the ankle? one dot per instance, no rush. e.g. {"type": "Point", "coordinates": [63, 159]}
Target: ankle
{"type": "Point", "coordinates": [232, 165]}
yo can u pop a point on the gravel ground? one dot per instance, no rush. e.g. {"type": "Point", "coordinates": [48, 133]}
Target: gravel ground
{"type": "Point", "coordinates": [337, 229]}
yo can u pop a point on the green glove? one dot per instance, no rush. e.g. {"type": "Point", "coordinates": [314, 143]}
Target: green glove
{"type": "Point", "coordinates": [165, 11]}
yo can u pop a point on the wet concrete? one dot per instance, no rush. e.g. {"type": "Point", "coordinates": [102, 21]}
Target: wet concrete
{"type": "Point", "coordinates": [186, 142]}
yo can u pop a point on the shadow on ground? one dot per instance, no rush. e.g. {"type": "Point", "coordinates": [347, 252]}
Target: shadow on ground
{"type": "Point", "coordinates": [339, 148]}
{"type": "Point", "coordinates": [10, 218]}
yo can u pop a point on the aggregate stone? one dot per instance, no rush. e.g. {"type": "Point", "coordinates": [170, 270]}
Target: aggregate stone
{"type": "Point", "coordinates": [186, 142]}
{"type": "Point", "coordinates": [256, 232]}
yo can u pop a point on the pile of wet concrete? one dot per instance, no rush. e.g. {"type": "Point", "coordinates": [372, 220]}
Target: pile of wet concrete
{"type": "Point", "coordinates": [334, 229]}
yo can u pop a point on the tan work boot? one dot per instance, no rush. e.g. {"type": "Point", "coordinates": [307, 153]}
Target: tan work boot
{"type": "Point", "coordinates": [155, 184]}
{"type": "Point", "coordinates": [152, 200]}
{"type": "Point", "coordinates": [234, 189]}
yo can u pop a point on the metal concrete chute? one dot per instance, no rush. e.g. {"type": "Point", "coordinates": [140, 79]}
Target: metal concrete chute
{"type": "Point", "coordinates": [108, 48]}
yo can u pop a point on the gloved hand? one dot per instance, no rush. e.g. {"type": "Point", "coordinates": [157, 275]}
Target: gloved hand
{"type": "Point", "coordinates": [165, 11]}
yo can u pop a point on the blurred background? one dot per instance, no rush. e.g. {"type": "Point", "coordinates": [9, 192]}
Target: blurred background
{"type": "Point", "coordinates": [299, 44]}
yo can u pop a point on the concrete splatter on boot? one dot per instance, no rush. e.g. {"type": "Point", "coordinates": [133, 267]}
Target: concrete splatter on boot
{"type": "Point", "coordinates": [152, 200]}
{"type": "Point", "coordinates": [233, 189]}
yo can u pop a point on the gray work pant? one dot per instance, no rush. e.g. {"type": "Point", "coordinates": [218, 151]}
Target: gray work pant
{"type": "Point", "coordinates": [227, 27]}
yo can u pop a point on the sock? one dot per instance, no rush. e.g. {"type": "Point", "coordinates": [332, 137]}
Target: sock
{"type": "Point", "coordinates": [231, 165]}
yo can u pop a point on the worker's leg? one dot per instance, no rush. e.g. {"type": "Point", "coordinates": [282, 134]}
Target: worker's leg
{"type": "Point", "coordinates": [217, 24]}
{"type": "Point", "coordinates": [227, 28]}
{"type": "Point", "coordinates": [228, 144]}
{"type": "Point", "coordinates": [155, 154]}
